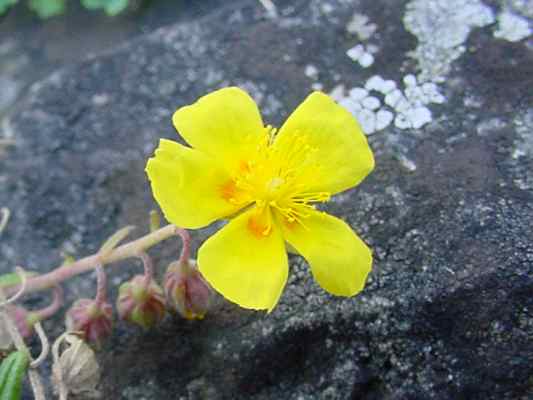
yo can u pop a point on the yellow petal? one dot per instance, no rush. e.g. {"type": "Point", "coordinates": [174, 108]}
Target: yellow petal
{"type": "Point", "coordinates": [245, 264]}
{"type": "Point", "coordinates": [336, 143]}
{"type": "Point", "coordinates": [339, 259]}
{"type": "Point", "coordinates": [188, 185]}
{"type": "Point", "coordinates": [221, 124]}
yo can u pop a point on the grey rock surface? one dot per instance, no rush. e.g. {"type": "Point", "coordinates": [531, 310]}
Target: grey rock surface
{"type": "Point", "coordinates": [448, 311]}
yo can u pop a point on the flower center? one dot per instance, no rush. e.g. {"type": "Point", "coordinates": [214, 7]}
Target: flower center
{"type": "Point", "coordinates": [275, 176]}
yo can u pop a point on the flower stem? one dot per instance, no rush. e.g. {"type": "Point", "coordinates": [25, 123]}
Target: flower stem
{"type": "Point", "coordinates": [53, 307]}
{"type": "Point", "coordinates": [148, 269]}
{"type": "Point", "coordinates": [185, 246]}
{"type": "Point", "coordinates": [132, 249]}
{"type": "Point", "coordinates": [101, 285]}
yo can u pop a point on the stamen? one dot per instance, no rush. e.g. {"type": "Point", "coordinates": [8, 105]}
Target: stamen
{"type": "Point", "coordinates": [260, 222]}
{"type": "Point", "coordinates": [275, 175]}
{"type": "Point", "coordinates": [271, 132]}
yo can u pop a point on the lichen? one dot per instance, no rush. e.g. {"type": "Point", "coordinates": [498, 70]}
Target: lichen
{"type": "Point", "coordinates": [441, 27]}
{"type": "Point", "coordinates": [512, 27]}
{"type": "Point", "coordinates": [406, 108]}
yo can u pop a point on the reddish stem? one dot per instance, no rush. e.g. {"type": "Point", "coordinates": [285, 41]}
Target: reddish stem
{"type": "Point", "coordinates": [186, 245]}
{"type": "Point", "coordinates": [148, 268]}
{"type": "Point", "coordinates": [66, 272]}
{"type": "Point", "coordinates": [101, 285]}
{"type": "Point", "coordinates": [56, 304]}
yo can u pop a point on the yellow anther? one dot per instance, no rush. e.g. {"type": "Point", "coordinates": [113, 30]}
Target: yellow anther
{"type": "Point", "coordinates": [275, 177]}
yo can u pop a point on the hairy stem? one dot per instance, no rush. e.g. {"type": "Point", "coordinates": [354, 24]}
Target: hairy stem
{"type": "Point", "coordinates": [132, 249]}
{"type": "Point", "coordinates": [185, 245]}
{"type": "Point", "coordinates": [148, 269]}
{"type": "Point", "coordinates": [54, 306]}
{"type": "Point", "coordinates": [101, 286]}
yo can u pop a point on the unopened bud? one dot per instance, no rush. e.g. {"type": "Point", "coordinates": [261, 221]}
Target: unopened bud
{"type": "Point", "coordinates": [92, 318]}
{"type": "Point", "coordinates": [186, 290]}
{"type": "Point", "coordinates": [75, 371]}
{"type": "Point", "coordinates": [141, 304]}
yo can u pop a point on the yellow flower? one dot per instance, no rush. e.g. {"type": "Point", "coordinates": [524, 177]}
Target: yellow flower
{"type": "Point", "coordinates": [268, 182]}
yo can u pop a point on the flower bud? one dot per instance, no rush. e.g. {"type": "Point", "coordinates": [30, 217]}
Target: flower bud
{"type": "Point", "coordinates": [186, 290]}
{"type": "Point", "coordinates": [141, 304]}
{"type": "Point", "coordinates": [23, 319]}
{"type": "Point", "coordinates": [75, 371]}
{"type": "Point", "coordinates": [92, 318]}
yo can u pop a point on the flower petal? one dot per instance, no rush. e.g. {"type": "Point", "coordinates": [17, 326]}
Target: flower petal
{"type": "Point", "coordinates": [221, 124]}
{"type": "Point", "coordinates": [339, 259]}
{"type": "Point", "coordinates": [340, 148]}
{"type": "Point", "coordinates": [188, 185]}
{"type": "Point", "coordinates": [244, 264]}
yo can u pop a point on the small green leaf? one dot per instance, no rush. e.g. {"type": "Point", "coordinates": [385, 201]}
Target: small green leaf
{"type": "Point", "coordinates": [93, 4]}
{"type": "Point", "coordinates": [13, 279]}
{"type": "Point", "coordinates": [5, 367]}
{"type": "Point", "coordinates": [5, 4]}
{"type": "Point", "coordinates": [111, 7]}
{"type": "Point", "coordinates": [114, 240]}
{"type": "Point", "coordinates": [47, 8]}
{"type": "Point", "coordinates": [12, 372]}
{"type": "Point", "coordinates": [68, 259]}
{"type": "Point", "coordinates": [114, 7]}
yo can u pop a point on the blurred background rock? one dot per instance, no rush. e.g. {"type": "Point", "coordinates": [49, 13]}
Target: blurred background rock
{"type": "Point", "coordinates": [31, 47]}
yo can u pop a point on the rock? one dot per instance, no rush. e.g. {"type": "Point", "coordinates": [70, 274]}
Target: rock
{"type": "Point", "coordinates": [448, 311]}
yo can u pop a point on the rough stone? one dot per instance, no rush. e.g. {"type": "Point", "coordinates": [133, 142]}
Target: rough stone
{"type": "Point", "coordinates": [448, 310]}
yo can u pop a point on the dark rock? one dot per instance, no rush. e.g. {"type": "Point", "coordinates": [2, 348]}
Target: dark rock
{"type": "Point", "coordinates": [448, 312]}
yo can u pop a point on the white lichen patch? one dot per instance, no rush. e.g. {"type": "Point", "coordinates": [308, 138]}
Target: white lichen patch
{"type": "Point", "coordinates": [512, 27]}
{"type": "Point", "coordinates": [269, 103]}
{"type": "Point", "coordinates": [362, 55]}
{"type": "Point", "coordinates": [406, 162]}
{"type": "Point", "coordinates": [361, 26]}
{"type": "Point", "coordinates": [337, 93]}
{"type": "Point", "coordinates": [523, 125]}
{"type": "Point", "coordinates": [523, 150]}
{"type": "Point", "coordinates": [380, 102]}
{"type": "Point", "coordinates": [311, 71]}
{"type": "Point", "coordinates": [486, 127]}
{"type": "Point", "coordinates": [441, 27]}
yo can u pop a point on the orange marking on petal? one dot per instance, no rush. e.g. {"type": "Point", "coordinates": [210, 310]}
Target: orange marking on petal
{"type": "Point", "coordinates": [258, 227]}
{"type": "Point", "coordinates": [244, 166]}
{"type": "Point", "coordinates": [292, 225]}
{"type": "Point", "coordinates": [228, 190]}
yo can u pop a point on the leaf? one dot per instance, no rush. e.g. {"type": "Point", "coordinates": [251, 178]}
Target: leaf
{"type": "Point", "coordinates": [76, 370]}
{"type": "Point", "coordinates": [5, 4]}
{"type": "Point", "coordinates": [93, 4]}
{"type": "Point", "coordinates": [68, 259]}
{"type": "Point", "coordinates": [111, 7]}
{"type": "Point", "coordinates": [114, 7]}
{"type": "Point", "coordinates": [12, 279]}
{"type": "Point", "coordinates": [114, 240]}
{"type": "Point", "coordinates": [12, 372]}
{"type": "Point", "coordinates": [47, 8]}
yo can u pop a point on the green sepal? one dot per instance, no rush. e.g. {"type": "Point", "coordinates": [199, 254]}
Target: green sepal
{"type": "Point", "coordinates": [12, 372]}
